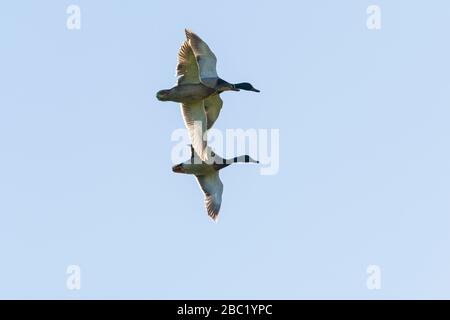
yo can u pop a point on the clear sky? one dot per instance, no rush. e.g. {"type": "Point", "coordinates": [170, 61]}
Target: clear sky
{"type": "Point", "coordinates": [364, 176]}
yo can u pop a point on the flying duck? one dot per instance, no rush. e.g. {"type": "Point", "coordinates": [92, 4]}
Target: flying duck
{"type": "Point", "coordinates": [197, 89]}
{"type": "Point", "coordinates": [207, 175]}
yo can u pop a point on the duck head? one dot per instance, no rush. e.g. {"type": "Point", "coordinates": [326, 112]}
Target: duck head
{"type": "Point", "coordinates": [246, 86]}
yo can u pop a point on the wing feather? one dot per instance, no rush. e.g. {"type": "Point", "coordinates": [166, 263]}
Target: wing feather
{"type": "Point", "coordinates": [213, 105]}
{"type": "Point", "coordinates": [187, 68]}
{"type": "Point", "coordinates": [206, 59]}
{"type": "Point", "coordinates": [194, 117]}
{"type": "Point", "coordinates": [212, 187]}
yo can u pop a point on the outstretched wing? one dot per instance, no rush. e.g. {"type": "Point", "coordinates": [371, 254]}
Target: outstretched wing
{"type": "Point", "coordinates": [213, 105]}
{"type": "Point", "coordinates": [187, 68]}
{"type": "Point", "coordinates": [212, 187]}
{"type": "Point", "coordinates": [195, 120]}
{"type": "Point", "coordinates": [206, 59]}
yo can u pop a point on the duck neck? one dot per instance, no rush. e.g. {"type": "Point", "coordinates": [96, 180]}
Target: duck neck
{"type": "Point", "coordinates": [242, 159]}
{"type": "Point", "coordinates": [226, 162]}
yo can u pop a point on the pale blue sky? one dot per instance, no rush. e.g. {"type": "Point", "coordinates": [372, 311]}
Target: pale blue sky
{"type": "Point", "coordinates": [85, 168]}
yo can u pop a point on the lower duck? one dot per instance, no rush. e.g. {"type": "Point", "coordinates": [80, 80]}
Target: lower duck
{"type": "Point", "coordinates": [207, 175]}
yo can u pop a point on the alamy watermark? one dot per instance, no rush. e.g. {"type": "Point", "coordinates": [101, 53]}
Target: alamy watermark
{"type": "Point", "coordinates": [261, 144]}
{"type": "Point", "coordinates": [73, 21]}
{"type": "Point", "coordinates": [374, 19]}
{"type": "Point", "coordinates": [73, 281]}
{"type": "Point", "coordinates": [373, 281]}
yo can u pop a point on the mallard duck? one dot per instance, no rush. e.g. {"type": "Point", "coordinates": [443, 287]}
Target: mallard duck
{"type": "Point", "coordinates": [207, 175]}
{"type": "Point", "coordinates": [198, 88]}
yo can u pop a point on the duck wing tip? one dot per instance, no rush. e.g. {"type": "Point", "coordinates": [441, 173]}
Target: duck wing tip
{"type": "Point", "coordinates": [214, 216]}
{"type": "Point", "coordinates": [188, 32]}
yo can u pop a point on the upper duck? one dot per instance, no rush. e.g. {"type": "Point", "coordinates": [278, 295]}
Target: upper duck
{"type": "Point", "coordinates": [198, 88]}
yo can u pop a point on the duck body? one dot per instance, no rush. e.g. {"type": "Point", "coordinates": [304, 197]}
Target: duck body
{"type": "Point", "coordinates": [186, 93]}
{"type": "Point", "coordinates": [207, 175]}
{"type": "Point", "coordinates": [199, 169]}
